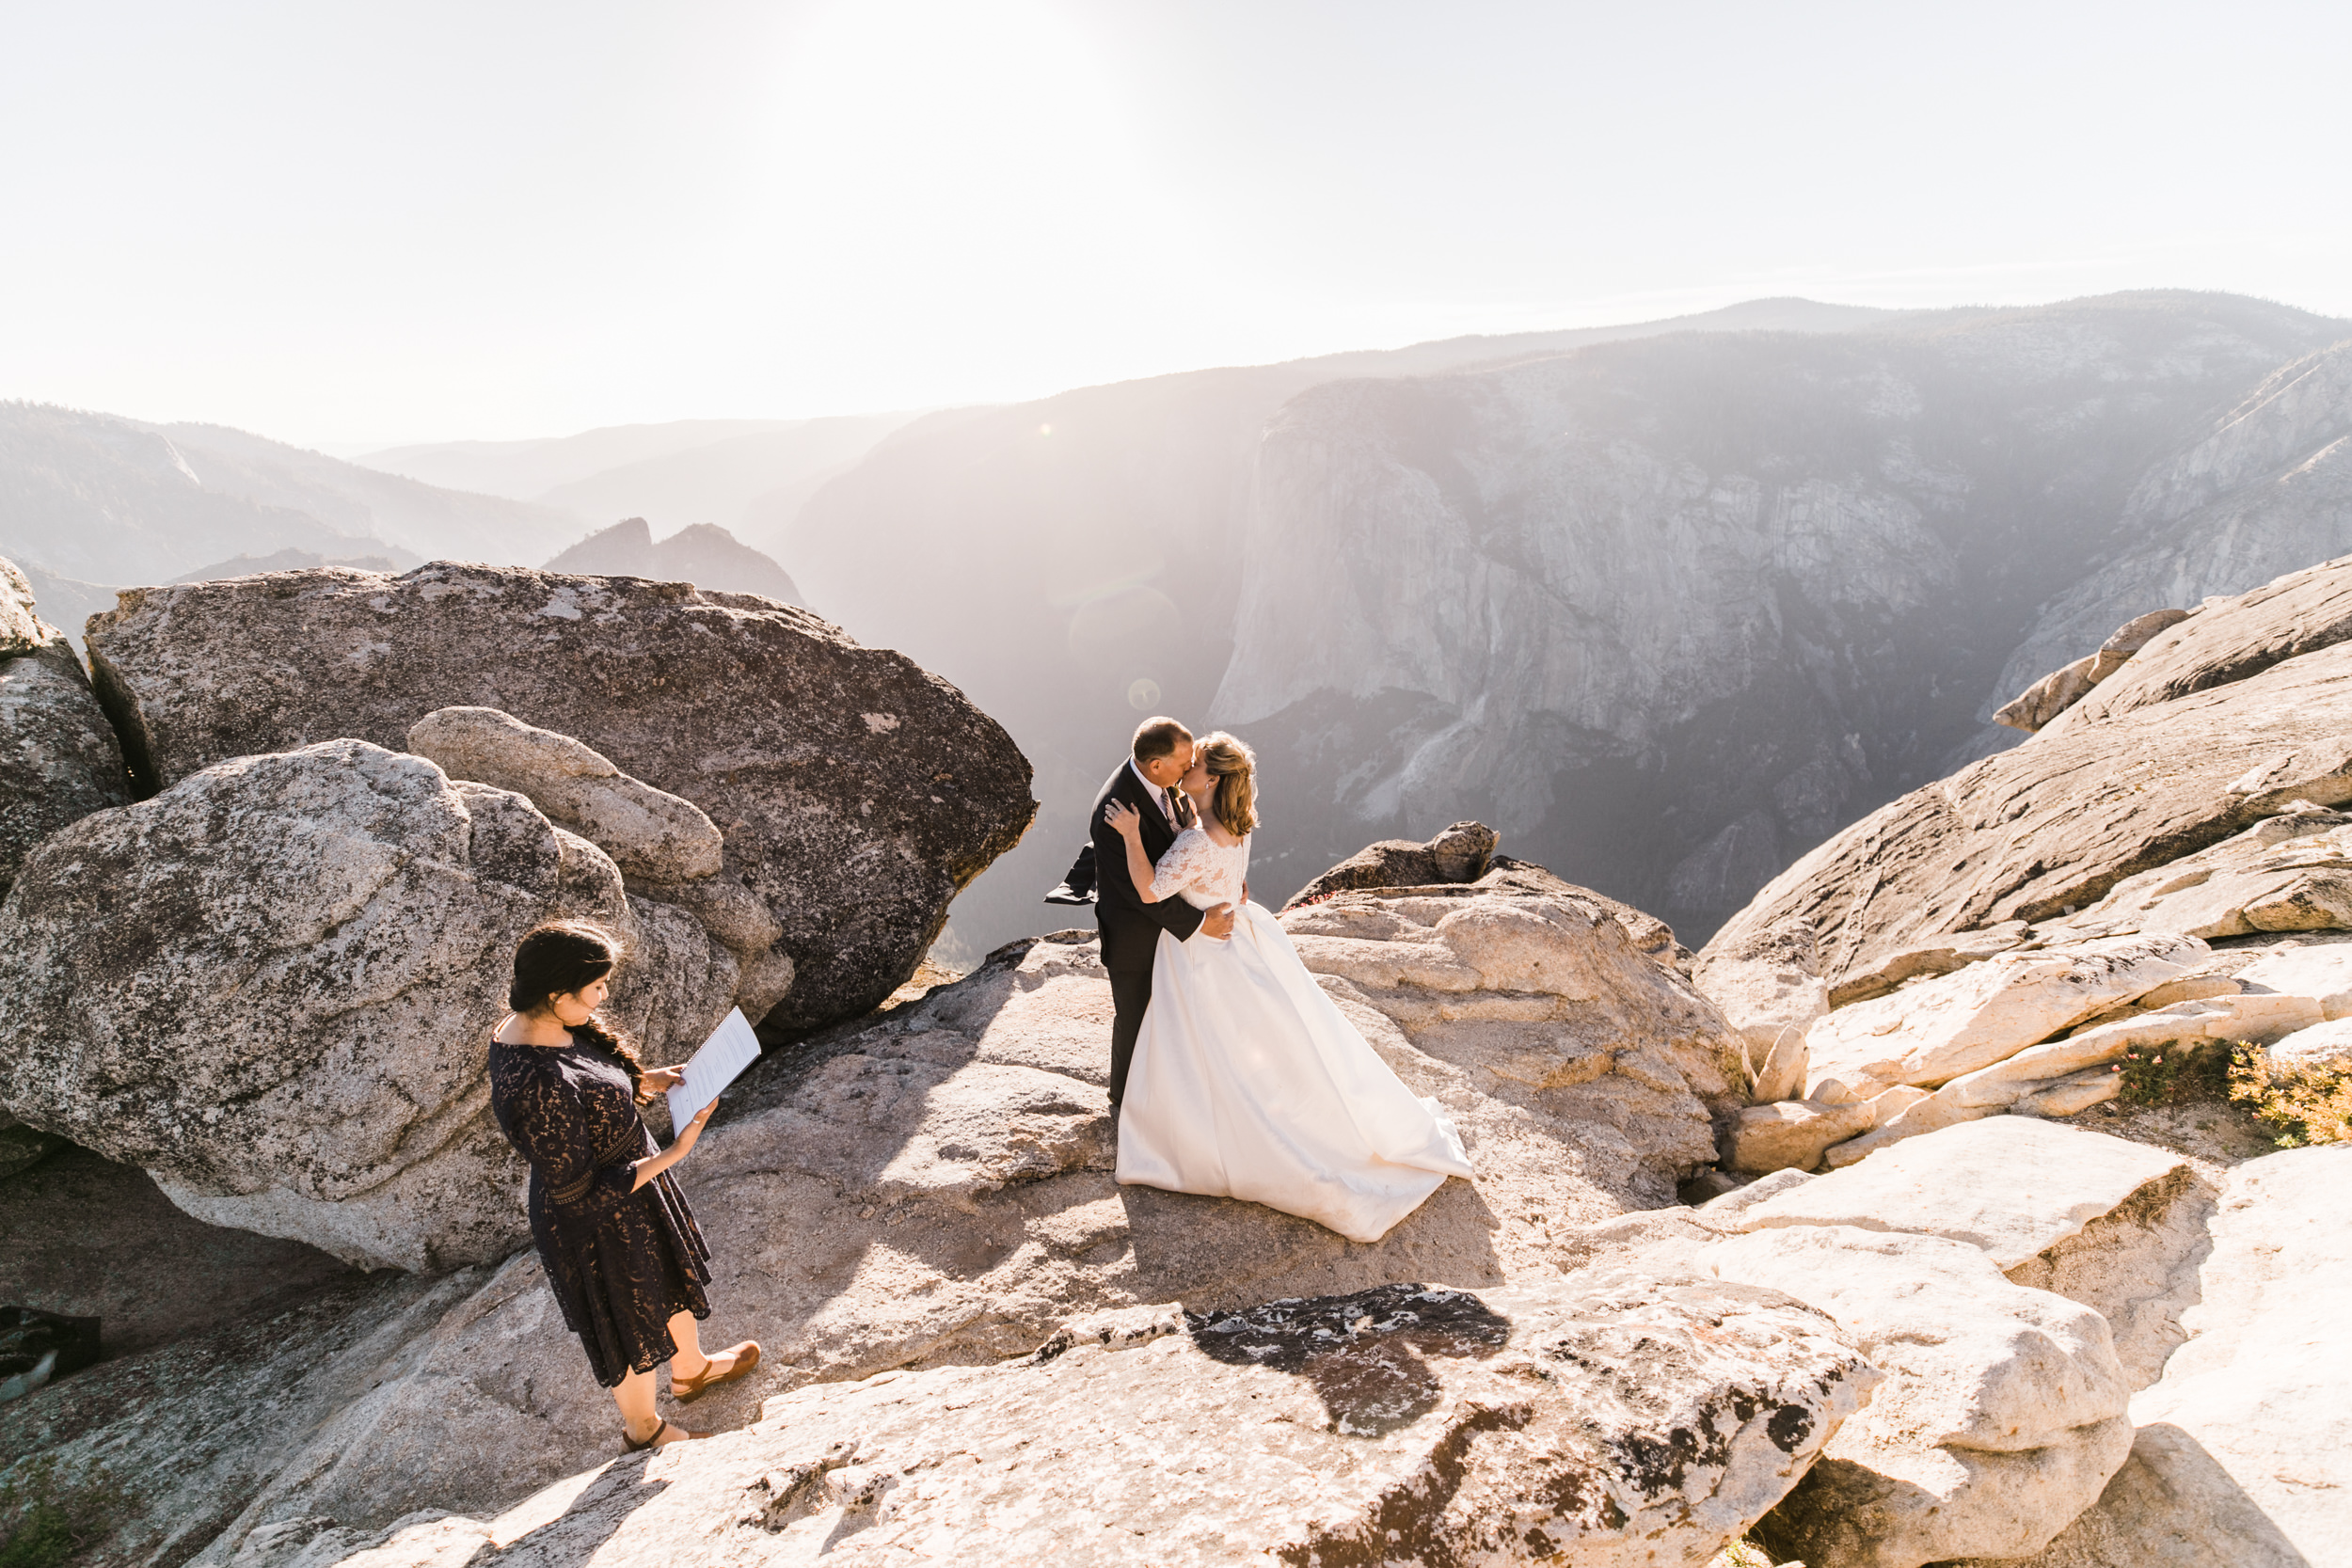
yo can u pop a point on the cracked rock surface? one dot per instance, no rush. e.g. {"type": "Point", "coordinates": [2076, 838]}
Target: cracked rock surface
{"type": "Point", "coordinates": [1615, 1423]}
{"type": "Point", "coordinates": [2001, 1418]}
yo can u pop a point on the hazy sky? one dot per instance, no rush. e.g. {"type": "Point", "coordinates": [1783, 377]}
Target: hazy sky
{"type": "Point", "coordinates": [349, 224]}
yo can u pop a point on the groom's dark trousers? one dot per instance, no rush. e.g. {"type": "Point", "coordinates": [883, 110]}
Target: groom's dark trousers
{"type": "Point", "coordinates": [1131, 927]}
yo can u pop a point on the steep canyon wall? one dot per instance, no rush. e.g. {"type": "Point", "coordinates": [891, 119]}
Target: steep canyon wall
{"type": "Point", "coordinates": [1668, 609]}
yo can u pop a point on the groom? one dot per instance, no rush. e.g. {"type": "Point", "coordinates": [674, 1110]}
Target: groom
{"type": "Point", "coordinates": [1131, 927]}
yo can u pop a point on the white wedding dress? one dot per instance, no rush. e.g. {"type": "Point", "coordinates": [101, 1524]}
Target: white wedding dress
{"type": "Point", "coordinates": [1249, 1083]}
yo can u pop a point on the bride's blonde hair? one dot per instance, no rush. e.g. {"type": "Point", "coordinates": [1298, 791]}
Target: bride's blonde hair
{"type": "Point", "coordinates": [1235, 766]}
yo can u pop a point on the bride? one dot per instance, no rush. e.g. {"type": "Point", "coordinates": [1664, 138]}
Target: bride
{"type": "Point", "coordinates": [1248, 1083]}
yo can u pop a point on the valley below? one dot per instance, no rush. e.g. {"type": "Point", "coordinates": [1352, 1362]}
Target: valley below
{"type": "Point", "coordinates": [1667, 610]}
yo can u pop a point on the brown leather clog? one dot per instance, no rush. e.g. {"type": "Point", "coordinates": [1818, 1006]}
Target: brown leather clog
{"type": "Point", "coordinates": [686, 1390]}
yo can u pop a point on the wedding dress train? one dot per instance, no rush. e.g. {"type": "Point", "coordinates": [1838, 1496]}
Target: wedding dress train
{"type": "Point", "coordinates": [1249, 1083]}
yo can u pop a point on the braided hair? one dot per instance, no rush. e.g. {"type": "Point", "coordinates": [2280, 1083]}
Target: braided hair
{"type": "Point", "coordinates": [566, 957]}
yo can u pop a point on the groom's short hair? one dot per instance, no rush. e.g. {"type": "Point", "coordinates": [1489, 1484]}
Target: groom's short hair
{"type": "Point", "coordinates": [1159, 737]}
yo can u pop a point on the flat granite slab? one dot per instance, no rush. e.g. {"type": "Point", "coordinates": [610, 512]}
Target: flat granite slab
{"type": "Point", "coordinates": [2012, 1185]}
{"type": "Point", "coordinates": [2243, 1458]}
{"type": "Point", "coordinates": [1608, 1422]}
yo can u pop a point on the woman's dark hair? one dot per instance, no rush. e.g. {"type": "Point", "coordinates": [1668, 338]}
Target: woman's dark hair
{"type": "Point", "coordinates": [564, 957]}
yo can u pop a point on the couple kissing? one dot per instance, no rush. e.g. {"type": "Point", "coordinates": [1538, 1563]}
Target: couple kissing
{"type": "Point", "coordinates": [1233, 1074]}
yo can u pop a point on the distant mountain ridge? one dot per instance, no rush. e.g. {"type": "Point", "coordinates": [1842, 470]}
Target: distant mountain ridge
{"type": "Point", "coordinates": [1665, 601]}
{"type": "Point", "coordinates": [686, 473]}
{"type": "Point", "coordinates": [1100, 529]}
{"type": "Point", "coordinates": [92, 500]}
{"type": "Point", "coordinates": [1668, 603]}
{"type": "Point", "coordinates": [523, 470]}
{"type": "Point", "coordinates": [733, 483]}
{"type": "Point", "coordinates": [284, 560]}
{"type": "Point", "coordinates": [104, 499]}
{"type": "Point", "coordinates": [705, 555]}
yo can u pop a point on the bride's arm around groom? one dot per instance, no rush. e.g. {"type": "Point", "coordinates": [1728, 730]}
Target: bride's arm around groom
{"type": "Point", "coordinates": [1142, 871]}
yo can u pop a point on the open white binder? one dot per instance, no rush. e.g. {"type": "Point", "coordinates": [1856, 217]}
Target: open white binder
{"type": "Point", "coordinates": [731, 1048]}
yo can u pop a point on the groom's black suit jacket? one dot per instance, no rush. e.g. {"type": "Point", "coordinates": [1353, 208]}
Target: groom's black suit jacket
{"type": "Point", "coordinates": [1131, 927]}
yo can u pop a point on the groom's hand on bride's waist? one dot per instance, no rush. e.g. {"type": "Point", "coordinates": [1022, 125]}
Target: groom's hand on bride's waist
{"type": "Point", "coordinates": [1218, 922]}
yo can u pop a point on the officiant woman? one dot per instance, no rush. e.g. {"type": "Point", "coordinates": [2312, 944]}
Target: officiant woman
{"type": "Point", "coordinates": [623, 1254]}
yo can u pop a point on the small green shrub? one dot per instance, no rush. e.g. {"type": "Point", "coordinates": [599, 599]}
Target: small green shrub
{"type": "Point", "coordinates": [2176, 1073]}
{"type": "Point", "coordinates": [46, 1522]}
{"type": "Point", "coordinates": [2301, 1102]}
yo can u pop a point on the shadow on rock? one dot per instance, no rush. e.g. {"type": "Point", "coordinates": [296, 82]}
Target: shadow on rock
{"type": "Point", "coordinates": [1366, 1356]}
{"type": "Point", "coordinates": [591, 1519]}
{"type": "Point", "coordinates": [1192, 1248]}
{"type": "Point", "coordinates": [2174, 1503]}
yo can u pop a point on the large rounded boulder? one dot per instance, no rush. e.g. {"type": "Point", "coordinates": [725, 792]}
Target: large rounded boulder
{"type": "Point", "coordinates": [272, 986]}
{"type": "Point", "coordinates": [855, 792]}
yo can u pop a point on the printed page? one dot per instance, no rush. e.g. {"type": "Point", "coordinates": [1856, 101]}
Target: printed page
{"type": "Point", "coordinates": [731, 1048]}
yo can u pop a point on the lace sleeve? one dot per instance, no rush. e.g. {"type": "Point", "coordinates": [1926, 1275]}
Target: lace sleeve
{"type": "Point", "coordinates": [548, 1125]}
{"type": "Point", "coordinates": [544, 1126]}
{"type": "Point", "coordinates": [1187, 862]}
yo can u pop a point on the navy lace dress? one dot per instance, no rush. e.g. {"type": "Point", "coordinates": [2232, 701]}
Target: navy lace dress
{"type": "Point", "coordinates": [621, 1263]}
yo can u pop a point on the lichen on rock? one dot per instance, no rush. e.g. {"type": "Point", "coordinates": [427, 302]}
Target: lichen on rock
{"type": "Point", "coordinates": [272, 986]}
{"type": "Point", "coordinates": [853, 835]}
